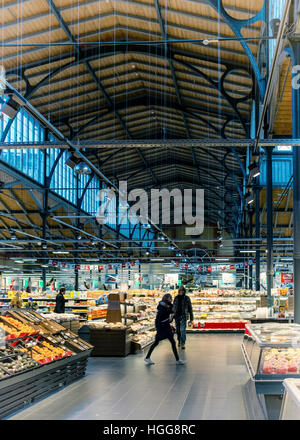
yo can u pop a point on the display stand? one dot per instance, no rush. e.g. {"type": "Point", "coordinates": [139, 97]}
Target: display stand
{"type": "Point", "coordinates": [50, 371]}
{"type": "Point", "coordinates": [25, 388]}
{"type": "Point", "coordinates": [107, 342]}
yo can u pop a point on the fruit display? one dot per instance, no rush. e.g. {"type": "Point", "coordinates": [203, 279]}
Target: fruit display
{"type": "Point", "coordinates": [29, 340]}
{"type": "Point", "coordinates": [23, 328]}
{"type": "Point", "coordinates": [15, 360]}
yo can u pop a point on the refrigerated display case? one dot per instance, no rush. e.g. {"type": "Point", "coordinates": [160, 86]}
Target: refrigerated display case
{"type": "Point", "coordinates": [290, 408]}
{"type": "Point", "coordinates": [272, 354]}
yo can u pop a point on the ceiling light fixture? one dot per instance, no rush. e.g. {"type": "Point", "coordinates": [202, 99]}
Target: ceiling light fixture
{"type": "Point", "coordinates": [249, 198]}
{"type": "Point", "coordinates": [254, 170]}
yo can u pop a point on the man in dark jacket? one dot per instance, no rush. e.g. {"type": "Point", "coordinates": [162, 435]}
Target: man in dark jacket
{"type": "Point", "coordinates": [182, 311]}
{"type": "Point", "coordinates": [60, 301]}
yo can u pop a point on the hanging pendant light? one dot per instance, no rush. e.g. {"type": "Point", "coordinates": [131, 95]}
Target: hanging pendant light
{"type": "Point", "coordinates": [82, 168]}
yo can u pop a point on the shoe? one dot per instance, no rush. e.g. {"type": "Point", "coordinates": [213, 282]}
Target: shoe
{"type": "Point", "coordinates": [183, 347]}
{"type": "Point", "coordinates": [181, 362]}
{"type": "Point", "coordinates": [149, 361]}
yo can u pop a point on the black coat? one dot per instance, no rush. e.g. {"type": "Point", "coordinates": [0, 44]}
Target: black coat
{"type": "Point", "coordinates": [60, 303]}
{"type": "Point", "coordinates": [162, 321]}
{"type": "Point", "coordinates": [187, 308]}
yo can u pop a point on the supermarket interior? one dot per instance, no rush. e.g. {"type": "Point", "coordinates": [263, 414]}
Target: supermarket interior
{"type": "Point", "coordinates": [148, 261]}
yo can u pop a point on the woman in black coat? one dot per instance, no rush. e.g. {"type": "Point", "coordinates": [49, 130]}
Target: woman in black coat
{"type": "Point", "coordinates": [163, 328]}
{"type": "Point", "coordinates": [60, 301]}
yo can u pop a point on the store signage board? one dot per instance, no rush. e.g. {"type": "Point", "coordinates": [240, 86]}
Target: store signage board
{"type": "Point", "coordinates": [287, 278]}
{"type": "Point", "coordinates": [171, 278]}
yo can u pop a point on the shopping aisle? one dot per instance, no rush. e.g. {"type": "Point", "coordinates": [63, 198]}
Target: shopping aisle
{"type": "Point", "coordinates": [210, 386]}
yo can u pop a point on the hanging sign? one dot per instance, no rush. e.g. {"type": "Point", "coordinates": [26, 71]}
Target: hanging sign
{"type": "Point", "coordinates": [287, 278]}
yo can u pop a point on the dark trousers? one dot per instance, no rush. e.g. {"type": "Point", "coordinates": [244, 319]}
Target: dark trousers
{"type": "Point", "coordinates": [181, 329]}
{"type": "Point", "coordinates": [157, 341]}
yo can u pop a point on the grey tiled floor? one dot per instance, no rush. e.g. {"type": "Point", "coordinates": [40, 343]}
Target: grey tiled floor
{"type": "Point", "coordinates": [210, 386]}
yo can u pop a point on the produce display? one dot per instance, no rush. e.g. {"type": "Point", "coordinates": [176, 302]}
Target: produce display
{"type": "Point", "coordinates": [29, 340]}
{"type": "Point", "coordinates": [15, 328]}
{"type": "Point", "coordinates": [13, 361]}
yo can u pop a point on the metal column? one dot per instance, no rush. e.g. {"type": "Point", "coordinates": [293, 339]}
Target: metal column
{"type": "Point", "coordinates": [250, 267]}
{"type": "Point", "coordinates": [76, 272]}
{"type": "Point", "coordinates": [269, 224]}
{"type": "Point", "coordinates": [296, 188]}
{"type": "Point", "coordinates": [44, 219]}
{"type": "Point", "coordinates": [257, 235]}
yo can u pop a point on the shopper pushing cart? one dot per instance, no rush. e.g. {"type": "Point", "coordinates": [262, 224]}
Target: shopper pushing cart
{"type": "Point", "coordinates": [164, 330]}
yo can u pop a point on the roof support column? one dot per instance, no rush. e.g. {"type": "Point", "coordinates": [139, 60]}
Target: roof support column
{"type": "Point", "coordinates": [76, 272]}
{"type": "Point", "coordinates": [44, 218]}
{"type": "Point", "coordinates": [250, 267]}
{"type": "Point", "coordinates": [295, 43]}
{"type": "Point", "coordinates": [257, 235]}
{"type": "Point", "coordinates": [269, 224]}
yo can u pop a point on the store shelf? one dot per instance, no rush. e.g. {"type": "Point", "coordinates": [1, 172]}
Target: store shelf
{"type": "Point", "coordinates": [136, 319]}
{"type": "Point", "coordinates": [150, 327]}
{"type": "Point", "coordinates": [141, 347]}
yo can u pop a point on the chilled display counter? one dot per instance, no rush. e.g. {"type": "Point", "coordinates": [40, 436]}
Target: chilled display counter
{"type": "Point", "coordinates": [290, 409]}
{"type": "Point", "coordinates": [272, 353]}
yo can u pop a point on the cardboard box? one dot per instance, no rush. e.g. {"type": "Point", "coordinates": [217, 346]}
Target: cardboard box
{"type": "Point", "coordinates": [114, 308]}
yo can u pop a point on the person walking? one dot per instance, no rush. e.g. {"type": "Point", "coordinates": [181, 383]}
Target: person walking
{"type": "Point", "coordinates": [164, 330]}
{"type": "Point", "coordinates": [182, 311]}
{"type": "Point", "coordinates": [60, 301]}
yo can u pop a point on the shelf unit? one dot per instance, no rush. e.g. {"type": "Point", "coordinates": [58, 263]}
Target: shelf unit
{"type": "Point", "coordinates": [208, 310]}
{"type": "Point", "coordinates": [136, 346]}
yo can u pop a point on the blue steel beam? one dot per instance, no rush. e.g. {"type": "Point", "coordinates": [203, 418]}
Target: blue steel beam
{"type": "Point", "coordinates": [236, 25]}
{"type": "Point", "coordinates": [66, 29]}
